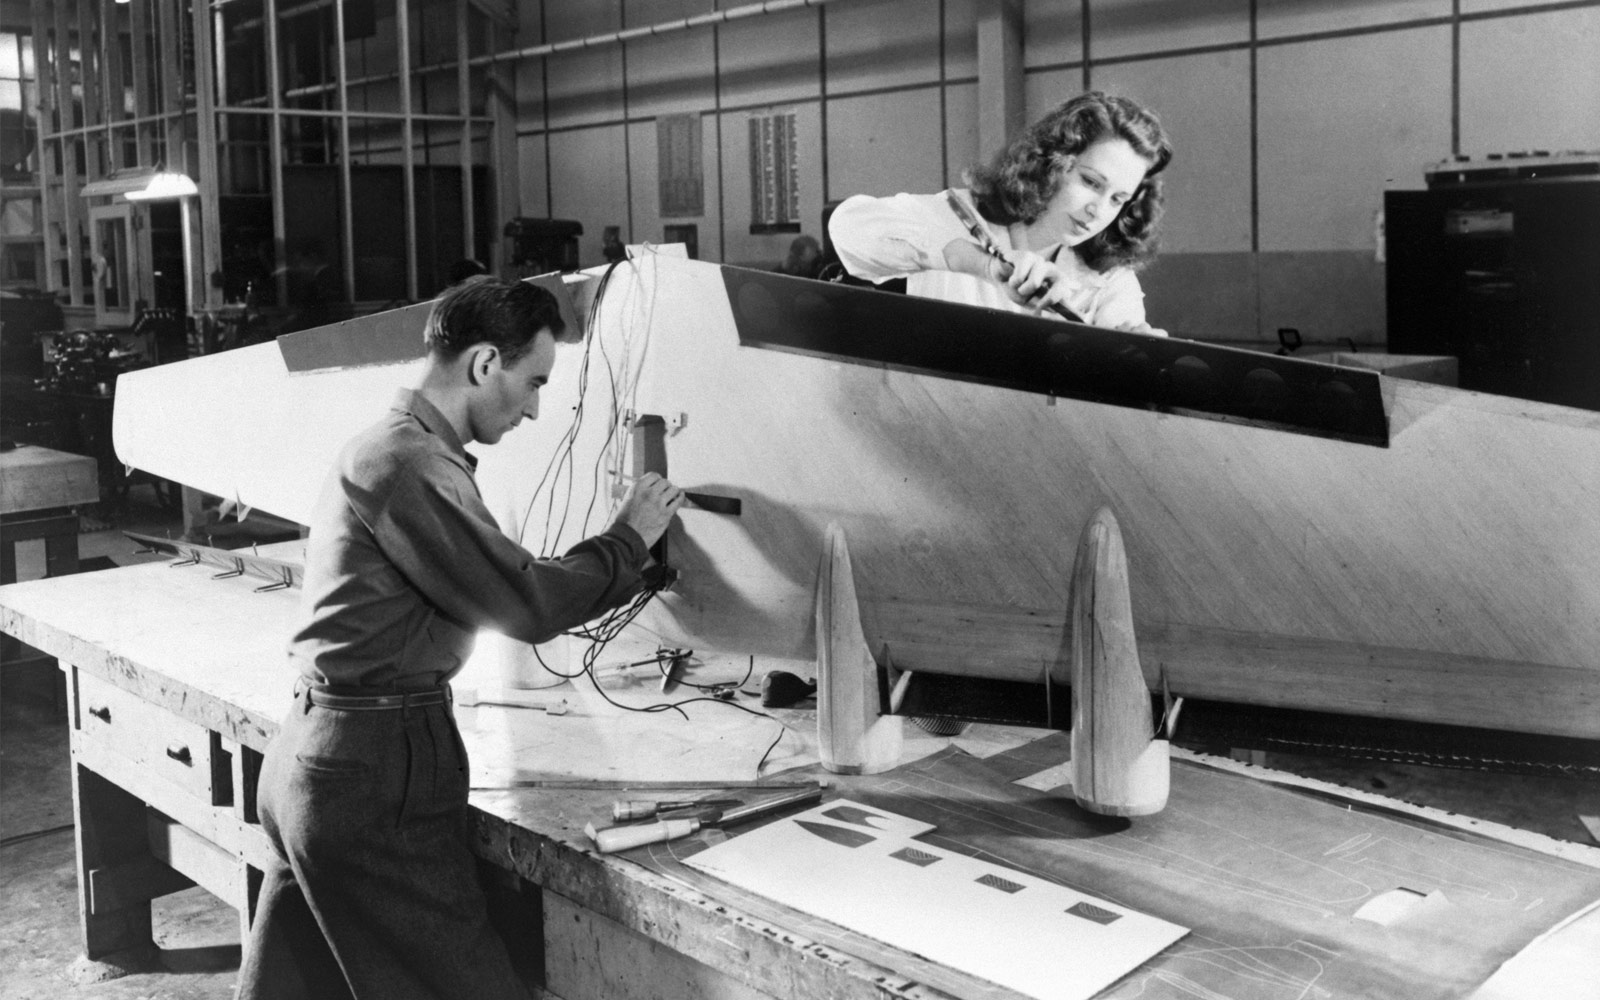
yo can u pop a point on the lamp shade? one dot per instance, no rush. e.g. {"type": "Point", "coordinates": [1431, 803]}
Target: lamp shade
{"type": "Point", "coordinates": [164, 186]}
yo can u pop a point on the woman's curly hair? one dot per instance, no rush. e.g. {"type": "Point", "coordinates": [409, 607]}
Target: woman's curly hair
{"type": "Point", "coordinates": [1019, 182]}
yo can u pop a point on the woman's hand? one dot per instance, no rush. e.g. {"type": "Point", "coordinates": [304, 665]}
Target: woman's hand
{"type": "Point", "coordinates": [1028, 278]}
{"type": "Point", "coordinates": [1033, 281]}
{"type": "Point", "coordinates": [1154, 331]}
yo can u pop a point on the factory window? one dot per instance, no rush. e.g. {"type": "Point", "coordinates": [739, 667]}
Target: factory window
{"type": "Point", "coordinates": [21, 236]}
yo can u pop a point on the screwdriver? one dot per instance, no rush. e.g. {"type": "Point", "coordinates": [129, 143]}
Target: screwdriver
{"type": "Point", "coordinates": [975, 226]}
{"type": "Point", "coordinates": [627, 810]}
{"type": "Point", "coordinates": [620, 838]}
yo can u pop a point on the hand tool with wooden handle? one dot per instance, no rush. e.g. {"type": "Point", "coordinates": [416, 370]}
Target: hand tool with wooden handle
{"type": "Point", "coordinates": [975, 226]}
{"type": "Point", "coordinates": [621, 838]}
{"type": "Point", "coordinates": [627, 810]}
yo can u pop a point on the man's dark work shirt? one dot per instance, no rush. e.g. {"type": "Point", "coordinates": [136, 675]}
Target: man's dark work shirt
{"type": "Point", "coordinates": [405, 563]}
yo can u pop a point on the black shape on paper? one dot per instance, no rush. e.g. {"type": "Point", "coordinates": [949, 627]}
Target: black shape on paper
{"type": "Point", "coordinates": [1003, 884]}
{"type": "Point", "coordinates": [911, 855]}
{"type": "Point", "coordinates": [837, 834]}
{"type": "Point", "coordinates": [1089, 911]}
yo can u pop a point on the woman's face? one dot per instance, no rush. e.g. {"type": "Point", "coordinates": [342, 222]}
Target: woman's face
{"type": "Point", "coordinates": [1095, 185]}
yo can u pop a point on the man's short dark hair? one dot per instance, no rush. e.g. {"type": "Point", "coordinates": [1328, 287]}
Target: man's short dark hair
{"type": "Point", "coordinates": [507, 314]}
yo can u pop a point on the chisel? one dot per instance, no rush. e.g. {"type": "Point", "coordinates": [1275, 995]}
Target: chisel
{"type": "Point", "coordinates": [621, 838]}
{"type": "Point", "coordinates": [626, 810]}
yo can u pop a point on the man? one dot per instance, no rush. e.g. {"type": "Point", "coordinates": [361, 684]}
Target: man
{"type": "Point", "coordinates": [364, 791]}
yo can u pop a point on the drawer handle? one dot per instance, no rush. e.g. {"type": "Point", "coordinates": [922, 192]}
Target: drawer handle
{"type": "Point", "coordinates": [180, 753]}
{"type": "Point", "coordinates": [103, 713]}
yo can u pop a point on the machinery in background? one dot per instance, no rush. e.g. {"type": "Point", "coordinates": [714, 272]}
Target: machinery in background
{"type": "Point", "coordinates": [540, 246]}
{"type": "Point", "coordinates": [1495, 264]}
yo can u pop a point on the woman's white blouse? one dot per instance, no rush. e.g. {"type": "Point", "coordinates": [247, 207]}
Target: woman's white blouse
{"type": "Point", "coordinates": [904, 236]}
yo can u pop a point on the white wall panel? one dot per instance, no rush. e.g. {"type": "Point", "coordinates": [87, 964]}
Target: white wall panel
{"type": "Point", "coordinates": [881, 43]}
{"type": "Point", "coordinates": [532, 186]}
{"type": "Point", "coordinates": [1531, 82]}
{"type": "Point", "coordinates": [672, 72]}
{"type": "Point", "coordinates": [1339, 121]}
{"type": "Point", "coordinates": [589, 183]}
{"type": "Point", "coordinates": [645, 185]}
{"type": "Point", "coordinates": [1052, 32]}
{"type": "Point", "coordinates": [960, 39]}
{"type": "Point", "coordinates": [1043, 91]}
{"type": "Point", "coordinates": [1277, 18]}
{"type": "Point", "coordinates": [585, 87]}
{"type": "Point", "coordinates": [961, 131]}
{"type": "Point", "coordinates": [1132, 27]}
{"type": "Point", "coordinates": [1492, 6]}
{"type": "Point", "coordinates": [770, 59]}
{"type": "Point", "coordinates": [1203, 102]}
{"type": "Point", "coordinates": [884, 143]}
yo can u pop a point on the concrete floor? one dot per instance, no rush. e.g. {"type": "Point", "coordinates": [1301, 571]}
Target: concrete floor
{"type": "Point", "coordinates": [198, 935]}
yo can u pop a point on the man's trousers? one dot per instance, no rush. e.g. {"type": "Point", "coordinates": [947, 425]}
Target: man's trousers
{"type": "Point", "coordinates": [375, 895]}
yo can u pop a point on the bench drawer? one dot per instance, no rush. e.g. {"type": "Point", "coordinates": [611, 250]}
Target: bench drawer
{"type": "Point", "coordinates": [158, 743]}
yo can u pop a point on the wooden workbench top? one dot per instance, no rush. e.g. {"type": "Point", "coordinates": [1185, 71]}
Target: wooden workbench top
{"type": "Point", "coordinates": [1269, 878]}
{"type": "Point", "coordinates": [213, 651]}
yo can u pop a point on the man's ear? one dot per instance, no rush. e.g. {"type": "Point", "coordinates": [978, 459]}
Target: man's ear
{"type": "Point", "coordinates": [482, 359]}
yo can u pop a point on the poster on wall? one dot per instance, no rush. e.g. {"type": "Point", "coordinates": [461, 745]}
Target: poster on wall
{"type": "Point", "coordinates": [682, 178]}
{"type": "Point", "coordinates": [774, 174]}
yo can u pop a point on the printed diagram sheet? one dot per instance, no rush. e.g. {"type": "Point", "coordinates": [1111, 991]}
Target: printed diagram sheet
{"type": "Point", "coordinates": [862, 868]}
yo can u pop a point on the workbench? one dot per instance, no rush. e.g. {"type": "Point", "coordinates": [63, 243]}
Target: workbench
{"type": "Point", "coordinates": [177, 679]}
{"type": "Point", "coordinates": [40, 489]}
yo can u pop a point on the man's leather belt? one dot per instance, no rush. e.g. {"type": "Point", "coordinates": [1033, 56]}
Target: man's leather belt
{"type": "Point", "coordinates": [378, 702]}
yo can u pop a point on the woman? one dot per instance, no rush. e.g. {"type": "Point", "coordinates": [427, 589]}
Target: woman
{"type": "Point", "coordinates": [1071, 205]}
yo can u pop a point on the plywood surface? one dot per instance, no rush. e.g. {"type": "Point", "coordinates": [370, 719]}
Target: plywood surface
{"type": "Point", "coordinates": [1452, 577]}
{"type": "Point", "coordinates": [1270, 879]}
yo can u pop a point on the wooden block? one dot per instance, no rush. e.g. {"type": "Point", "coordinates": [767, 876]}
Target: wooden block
{"type": "Point", "coordinates": [35, 478]}
{"type": "Point", "coordinates": [1117, 769]}
{"type": "Point", "coordinates": [853, 736]}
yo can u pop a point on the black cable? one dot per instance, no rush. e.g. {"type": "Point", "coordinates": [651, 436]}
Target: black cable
{"type": "Point", "coordinates": [561, 458]}
{"type": "Point", "coordinates": [560, 470]}
{"type": "Point", "coordinates": [771, 746]}
{"type": "Point", "coordinates": [34, 835]}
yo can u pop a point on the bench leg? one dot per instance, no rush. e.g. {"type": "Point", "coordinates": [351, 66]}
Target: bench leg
{"type": "Point", "coordinates": [111, 838]}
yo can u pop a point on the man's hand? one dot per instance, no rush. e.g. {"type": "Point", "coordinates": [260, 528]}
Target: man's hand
{"type": "Point", "coordinates": [649, 506]}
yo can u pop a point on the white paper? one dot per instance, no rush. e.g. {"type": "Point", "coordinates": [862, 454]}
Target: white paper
{"type": "Point", "coordinates": [1012, 928]}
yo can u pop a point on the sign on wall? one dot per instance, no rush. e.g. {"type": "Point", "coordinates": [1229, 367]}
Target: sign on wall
{"type": "Point", "coordinates": [774, 174]}
{"type": "Point", "coordinates": [682, 178]}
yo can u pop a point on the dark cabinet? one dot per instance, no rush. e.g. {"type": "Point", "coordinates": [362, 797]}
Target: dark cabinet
{"type": "Point", "coordinates": [1504, 277]}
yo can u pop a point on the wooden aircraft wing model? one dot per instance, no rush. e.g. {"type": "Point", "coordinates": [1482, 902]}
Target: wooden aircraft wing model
{"type": "Point", "coordinates": [1299, 537]}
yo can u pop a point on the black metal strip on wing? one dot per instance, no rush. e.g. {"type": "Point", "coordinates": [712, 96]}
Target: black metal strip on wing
{"type": "Point", "coordinates": [1055, 358]}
